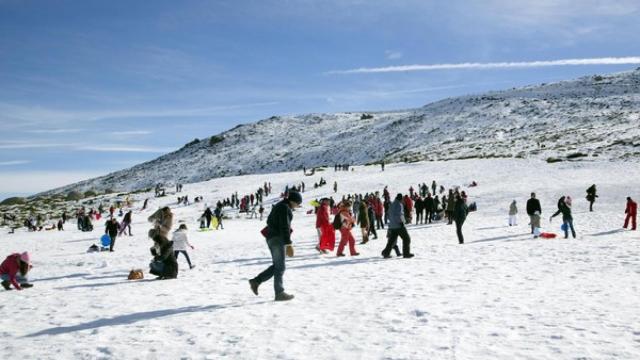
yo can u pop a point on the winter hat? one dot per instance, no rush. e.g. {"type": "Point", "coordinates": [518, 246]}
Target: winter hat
{"type": "Point", "coordinates": [295, 197]}
{"type": "Point", "coordinates": [24, 257]}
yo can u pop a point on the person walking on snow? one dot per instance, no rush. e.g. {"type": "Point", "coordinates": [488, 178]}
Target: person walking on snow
{"type": "Point", "coordinates": [326, 232]}
{"type": "Point", "coordinates": [126, 223]}
{"type": "Point", "coordinates": [363, 220]}
{"type": "Point", "coordinates": [591, 196]}
{"type": "Point", "coordinates": [347, 222]}
{"type": "Point", "coordinates": [14, 269]}
{"type": "Point", "coordinates": [459, 215]}
{"type": "Point", "coordinates": [632, 212]}
{"type": "Point", "coordinates": [180, 244]}
{"type": "Point", "coordinates": [533, 206]}
{"type": "Point", "coordinates": [564, 208]}
{"type": "Point", "coordinates": [278, 238]}
{"type": "Point", "coordinates": [397, 228]}
{"type": "Point", "coordinates": [111, 229]}
{"type": "Point", "coordinates": [513, 212]}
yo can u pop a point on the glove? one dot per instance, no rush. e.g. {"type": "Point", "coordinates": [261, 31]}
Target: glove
{"type": "Point", "coordinates": [289, 250]}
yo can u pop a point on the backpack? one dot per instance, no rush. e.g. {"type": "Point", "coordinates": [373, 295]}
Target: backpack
{"type": "Point", "coordinates": [337, 221]}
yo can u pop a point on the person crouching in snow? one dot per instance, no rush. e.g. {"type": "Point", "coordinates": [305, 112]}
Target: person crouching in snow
{"type": "Point", "coordinates": [345, 230]}
{"type": "Point", "coordinates": [164, 264]}
{"type": "Point", "coordinates": [180, 243]}
{"type": "Point", "coordinates": [14, 269]}
{"type": "Point", "coordinates": [513, 211]}
{"type": "Point", "coordinates": [279, 241]}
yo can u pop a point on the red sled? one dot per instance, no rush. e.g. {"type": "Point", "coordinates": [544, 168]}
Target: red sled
{"type": "Point", "coordinates": [548, 235]}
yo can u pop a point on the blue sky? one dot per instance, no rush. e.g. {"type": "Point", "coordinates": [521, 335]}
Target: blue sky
{"type": "Point", "coordinates": [89, 87]}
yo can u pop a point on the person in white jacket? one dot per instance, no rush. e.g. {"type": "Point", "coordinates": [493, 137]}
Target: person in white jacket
{"type": "Point", "coordinates": [180, 243]}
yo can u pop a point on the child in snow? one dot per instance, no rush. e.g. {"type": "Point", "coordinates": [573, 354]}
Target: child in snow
{"type": "Point", "coordinates": [180, 243]}
{"type": "Point", "coordinates": [14, 269]}
{"type": "Point", "coordinates": [345, 230]}
{"type": "Point", "coordinates": [513, 211]}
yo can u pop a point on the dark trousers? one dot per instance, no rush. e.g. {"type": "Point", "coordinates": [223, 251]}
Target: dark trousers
{"type": "Point", "coordinates": [276, 270]}
{"type": "Point", "coordinates": [459, 231]}
{"type": "Point", "coordinates": [590, 205]}
{"type": "Point", "coordinates": [428, 216]}
{"type": "Point", "coordinates": [372, 230]}
{"type": "Point", "coordinates": [219, 223]}
{"type": "Point", "coordinates": [185, 255]}
{"type": "Point", "coordinates": [568, 225]}
{"type": "Point", "coordinates": [208, 222]}
{"type": "Point", "coordinates": [124, 227]}
{"type": "Point", "coordinates": [418, 216]}
{"type": "Point", "coordinates": [113, 242]}
{"type": "Point", "coordinates": [379, 222]}
{"type": "Point", "coordinates": [392, 240]}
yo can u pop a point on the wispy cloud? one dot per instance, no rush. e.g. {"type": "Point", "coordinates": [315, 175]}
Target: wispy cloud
{"type": "Point", "coordinates": [14, 162]}
{"type": "Point", "coordinates": [125, 148]}
{"type": "Point", "coordinates": [20, 144]}
{"type": "Point", "coordinates": [131, 133]}
{"type": "Point", "coordinates": [494, 65]}
{"type": "Point", "coordinates": [392, 55]}
{"type": "Point", "coordinates": [36, 181]}
{"type": "Point", "coordinates": [55, 131]}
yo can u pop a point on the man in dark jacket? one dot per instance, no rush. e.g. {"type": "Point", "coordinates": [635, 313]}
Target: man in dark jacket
{"type": "Point", "coordinates": [591, 196]}
{"type": "Point", "coordinates": [208, 215]}
{"type": "Point", "coordinates": [397, 228]}
{"type": "Point", "coordinates": [278, 238]}
{"type": "Point", "coordinates": [112, 230]}
{"type": "Point", "coordinates": [429, 208]}
{"type": "Point", "coordinates": [533, 205]}
{"type": "Point", "coordinates": [459, 215]}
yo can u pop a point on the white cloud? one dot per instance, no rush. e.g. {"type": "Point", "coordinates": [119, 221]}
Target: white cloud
{"type": "Point", "coordinates": [55, 131]}
{"type": "Point", "coordinates": [14, 162]}
{"type": "Point", "coordinates": [495, 65]}
{"type": "Point", "coordinates": [125, 148]}
{"type": "Point", "coordinates": [36, 181]}
{"type": "Point", "coordinates": [131, 133]}
{"type": "Point", "coordinates": [20, 144]}
{"type": "Point", "coordinates": [393, 55]}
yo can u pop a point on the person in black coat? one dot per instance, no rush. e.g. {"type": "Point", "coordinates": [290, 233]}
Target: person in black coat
{"type": "Point", "coordinates": [419, 204]}
{"type": "Point", "coordinates": [533, 205]}
{"type": "Point", "coordinates": [278, 234]}
{"type": "Point", "coordinates": [591, 196]}
{"type": "Point", "coordinates": [459, 215]}
{"type": "Point", "coordinates": [429, 208]}
{"type": "Point", "coordinates": [111, 229]}
{"type": "Point", "coordinates": [163, 253]}
{"type": "Point", "coordinates": [208, 215]}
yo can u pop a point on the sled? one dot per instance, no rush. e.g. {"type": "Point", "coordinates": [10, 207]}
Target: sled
{"type": "Point", "coordinates": [546, 235]}
{"type": "Point", "coordinates": [214, 223]}
{"type": "Point", "coordinates": [105, 240]}
{"type": "Point", "coordinates": [205, 229]}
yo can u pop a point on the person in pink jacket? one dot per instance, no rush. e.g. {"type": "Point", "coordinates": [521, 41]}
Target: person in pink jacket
{"type": "Point", "coordinates": [14, 269]}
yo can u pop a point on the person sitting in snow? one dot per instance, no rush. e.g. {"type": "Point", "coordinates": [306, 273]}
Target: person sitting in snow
{"type": "Point", "coordinates": [14, 269]}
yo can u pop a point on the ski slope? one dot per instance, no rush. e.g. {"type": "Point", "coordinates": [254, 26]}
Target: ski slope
{"type": "Point", "coordinates": [502, 295]}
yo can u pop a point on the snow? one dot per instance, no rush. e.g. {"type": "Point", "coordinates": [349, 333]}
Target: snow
{"type": "Point", "coordinates": [502, 295]}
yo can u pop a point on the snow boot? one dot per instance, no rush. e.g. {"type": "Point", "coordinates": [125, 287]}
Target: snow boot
{"type": "Point", "coordinates": [253, 283]}
{"type": "Point", "coordinates": [26, 285]}
{"type": "Point", "coordinates": [5, 285]}
{"type": "Point", "coordinates": [283, 296]}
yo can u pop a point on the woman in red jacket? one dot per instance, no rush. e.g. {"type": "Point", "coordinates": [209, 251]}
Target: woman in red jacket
{"type": "Point", "coordinates": [345, 229]}
{"type": "Point", "coordinates": [632, 212]}
{"type": "Point", "coordinates": [326, 233]}
{"type": "Point", "coordinates": [14, 269]}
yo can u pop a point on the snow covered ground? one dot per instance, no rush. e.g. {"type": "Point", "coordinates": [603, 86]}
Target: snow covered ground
{"type": "Point", "coordinates": [502, 295]}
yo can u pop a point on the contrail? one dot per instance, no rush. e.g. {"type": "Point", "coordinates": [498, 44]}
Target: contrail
{"type": "Point", "coordinates": [495, 65]}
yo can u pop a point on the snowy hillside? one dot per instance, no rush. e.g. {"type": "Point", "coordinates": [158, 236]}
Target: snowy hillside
{"type": "Point", "coordinates": [595, 117]}
{"type": "Point", "coordinates": [502, 295]}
